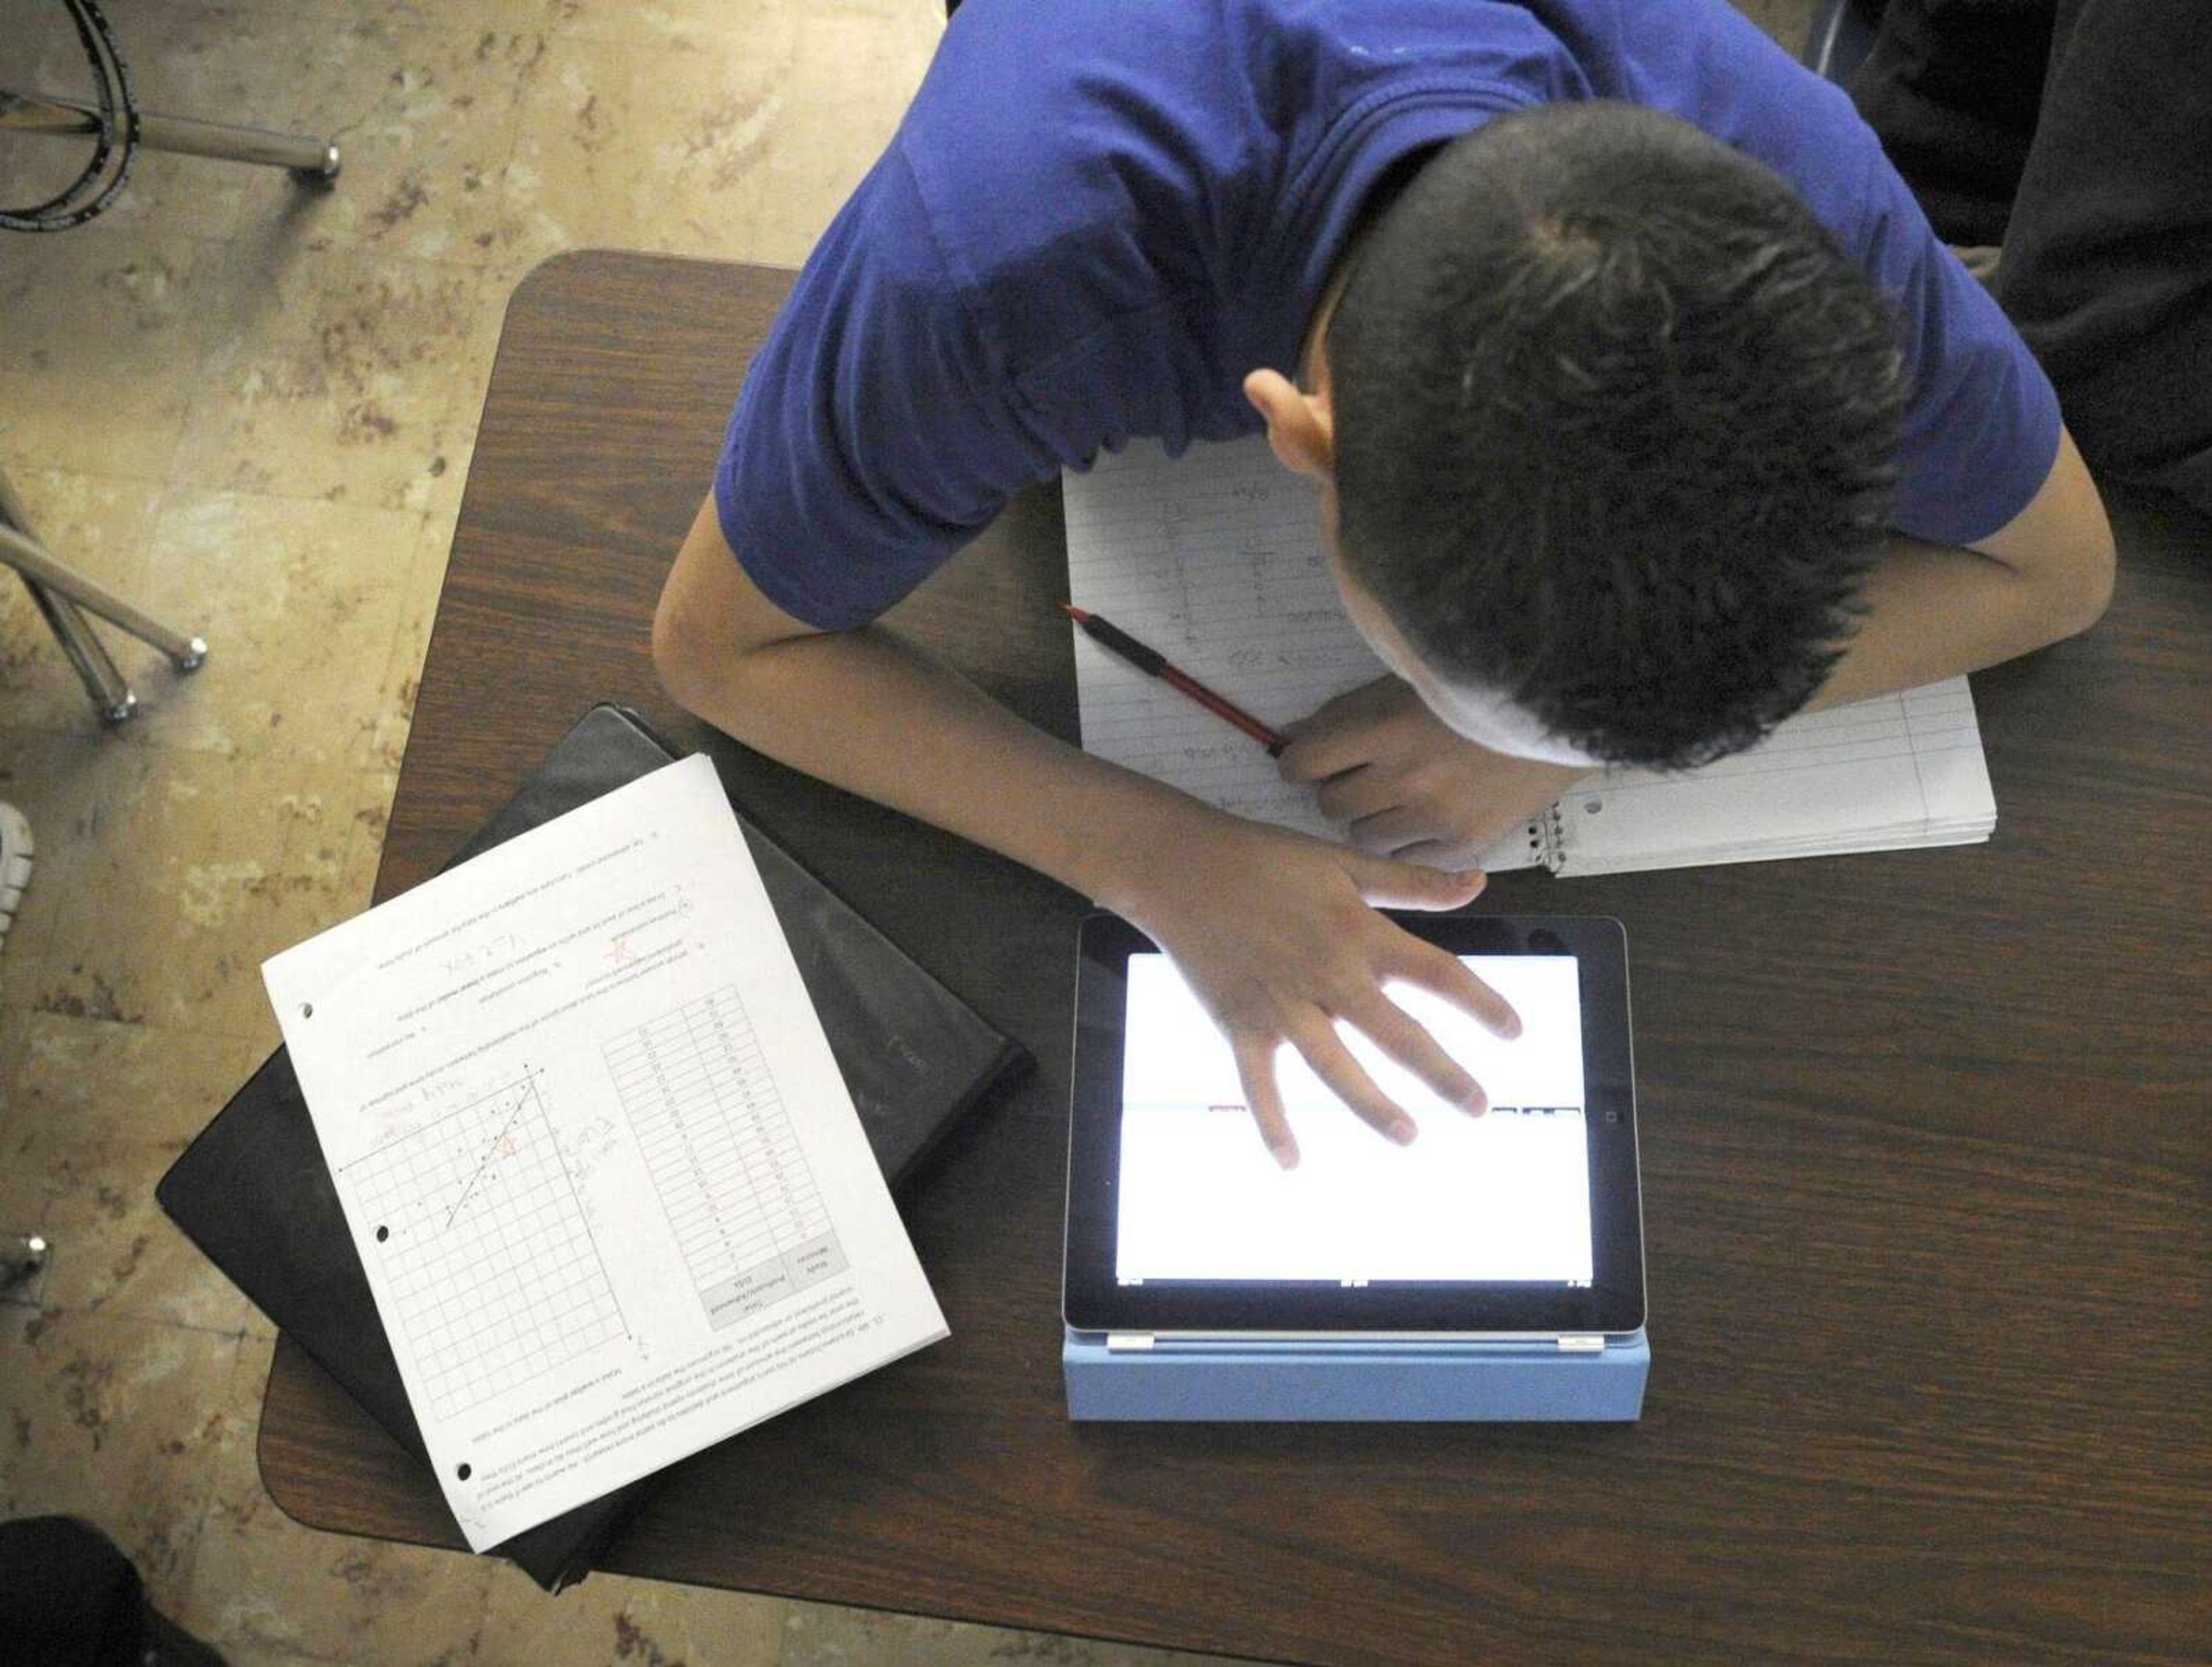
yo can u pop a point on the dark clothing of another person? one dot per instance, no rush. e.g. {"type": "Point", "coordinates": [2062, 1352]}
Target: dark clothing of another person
{"type": "Point", "coordinates": [2074, 133]}
{"type": "Point", "coordinates": [71, 1599]}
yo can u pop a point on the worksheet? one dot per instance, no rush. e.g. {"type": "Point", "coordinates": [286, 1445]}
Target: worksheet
{"type": "Point", "coordinates": [608, 1187]}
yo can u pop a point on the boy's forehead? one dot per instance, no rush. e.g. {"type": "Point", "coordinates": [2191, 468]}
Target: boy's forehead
{"type": "Point", "coordinates": [1490, 718]}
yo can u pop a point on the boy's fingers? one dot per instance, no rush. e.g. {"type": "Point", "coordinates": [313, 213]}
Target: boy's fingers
{"type": "Point", "coordinates": [1333, 1063]}
{"type": "Point", "coordinates": [1445, 974]}
{"type": "Point", "coordinates": [1314, 758]}
{"type": "Point", "coordinates": [1446, 854]}
{"type": "Point", "coordinates": [1358, 795]}
{"type": "Point", "coordinates": [1400, 1035]}
{"type": "Point", "coordinates": [1391, 826]}
{"type": "Point", "coordinates": [1391, 884]}
{"type": "Point", "coordinates": [1331, 738]}
{"type": "Point", "coordinates": [1255, 1069]}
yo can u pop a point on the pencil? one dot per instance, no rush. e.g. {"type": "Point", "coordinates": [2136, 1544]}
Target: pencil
{"type": "Point", "coordinates": [1153, 663]}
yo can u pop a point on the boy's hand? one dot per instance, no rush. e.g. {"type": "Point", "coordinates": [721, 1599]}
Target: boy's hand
{"type": "Point", "coordinates": [1404, 785]}
{"type": "Point", "coordinates": [1275, 933]}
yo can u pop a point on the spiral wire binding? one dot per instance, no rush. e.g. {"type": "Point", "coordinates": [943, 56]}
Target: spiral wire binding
{"type": "Point", "coordinates": [116, 143]}
{"type": "Point", "coordinates": [1547, 837]}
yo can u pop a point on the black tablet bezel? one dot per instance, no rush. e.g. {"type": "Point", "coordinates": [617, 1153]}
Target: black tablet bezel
{"type": "Point", "coordinates": [1613, 1303]}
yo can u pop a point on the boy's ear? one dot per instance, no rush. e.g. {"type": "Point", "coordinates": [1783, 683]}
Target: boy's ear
{"type": "Point", "coordinates": [1301, 427]}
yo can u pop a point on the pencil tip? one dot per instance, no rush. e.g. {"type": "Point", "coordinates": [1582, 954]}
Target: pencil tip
{"type": "Point", "coordinates": [1075, 613]}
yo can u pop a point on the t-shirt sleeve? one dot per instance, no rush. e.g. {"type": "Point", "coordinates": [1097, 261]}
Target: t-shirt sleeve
{"type": "Point", "coordinates": [1981, 431]}
{"type": "Point", "coordinates": [870, 439]}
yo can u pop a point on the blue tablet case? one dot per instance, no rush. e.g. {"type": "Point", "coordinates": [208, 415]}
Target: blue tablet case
{"type": "Point", "coordinates": [1363, 1380]}
{"type": "Point", "coordinates": [1137, 1377]}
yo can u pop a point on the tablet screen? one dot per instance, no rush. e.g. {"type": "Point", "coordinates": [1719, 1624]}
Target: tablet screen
{"type": "Point", "coordinates": [1524, 1222]}
{"type": "Point", "coordinates": [1505, 1197]}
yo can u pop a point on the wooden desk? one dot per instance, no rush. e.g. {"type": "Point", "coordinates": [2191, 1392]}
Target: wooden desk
{"type": "Point", "coordinates": [1925, 1153]}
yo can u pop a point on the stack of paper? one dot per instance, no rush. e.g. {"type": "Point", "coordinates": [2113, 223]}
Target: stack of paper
{"type": "Point", "coordinates": [1901, 770]}
{"type": "Point", "coordinates": [607, 1185]}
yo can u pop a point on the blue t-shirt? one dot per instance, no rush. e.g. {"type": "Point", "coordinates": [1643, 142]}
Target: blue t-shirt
{"type": "Point", "coordinates": [1099, 214]}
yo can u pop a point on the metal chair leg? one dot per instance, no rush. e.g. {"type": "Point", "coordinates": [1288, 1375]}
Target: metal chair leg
{"type": "Point", "coordinates": [99, 674]}
{"type": "Point", "coordinates": [54, 117]}
{"type": "Point", "coordinates": [60, 591]}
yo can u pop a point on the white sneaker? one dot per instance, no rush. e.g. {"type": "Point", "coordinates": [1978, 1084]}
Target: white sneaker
{"type": "Point", "coordinates": [15, 863]}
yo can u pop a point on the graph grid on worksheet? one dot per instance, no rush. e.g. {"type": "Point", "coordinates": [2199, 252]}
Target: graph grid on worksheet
{"type": "Point", "coordinates": [485, 1247]}
{"type": "Point", "coordinates": [724, 1157]}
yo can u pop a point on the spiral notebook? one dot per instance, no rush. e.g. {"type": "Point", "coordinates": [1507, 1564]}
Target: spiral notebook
{"type": "Point", "coordinates": [1214, 558]}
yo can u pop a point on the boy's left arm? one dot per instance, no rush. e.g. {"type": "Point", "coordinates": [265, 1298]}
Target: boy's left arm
{"type": "Point", "coordinates": [1935, 610]}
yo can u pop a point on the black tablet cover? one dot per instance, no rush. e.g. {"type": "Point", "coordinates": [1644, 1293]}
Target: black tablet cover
{"type": "Point", "coordinates": [253, 1193]}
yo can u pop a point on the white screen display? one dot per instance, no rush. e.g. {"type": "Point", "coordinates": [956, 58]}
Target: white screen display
{"type": "Point", "coordinates": [1503, 1197]}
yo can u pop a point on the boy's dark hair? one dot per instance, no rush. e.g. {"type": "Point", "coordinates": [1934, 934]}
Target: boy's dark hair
{"type": "Point", "coordinates": [1615, 427]}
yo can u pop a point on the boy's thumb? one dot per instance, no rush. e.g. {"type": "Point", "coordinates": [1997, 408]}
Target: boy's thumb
{"type": "Point", "coordinates": [1389, 884]}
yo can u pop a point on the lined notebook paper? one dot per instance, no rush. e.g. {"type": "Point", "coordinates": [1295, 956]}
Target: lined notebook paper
{"type": "Point", "coordinates": [1215, 559]}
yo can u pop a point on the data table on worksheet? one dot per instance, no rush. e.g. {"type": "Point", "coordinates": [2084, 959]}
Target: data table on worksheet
{"type": "Point", "coordinates": [719, 1143]}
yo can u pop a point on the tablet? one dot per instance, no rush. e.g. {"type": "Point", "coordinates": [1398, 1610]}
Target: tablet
{"type": "Point", "coordinates": [1525, 1222]}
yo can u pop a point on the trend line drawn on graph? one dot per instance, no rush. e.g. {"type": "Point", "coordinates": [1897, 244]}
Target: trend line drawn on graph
{"type": "Point", "coordinates": [492, 1272]}
{"type": "Point", "coordinates": [501, 1145]}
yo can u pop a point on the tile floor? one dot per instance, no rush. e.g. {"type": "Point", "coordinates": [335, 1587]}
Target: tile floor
{"type": "Point", "coordinates": [251, 409]}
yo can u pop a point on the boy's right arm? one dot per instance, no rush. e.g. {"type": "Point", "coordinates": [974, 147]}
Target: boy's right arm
{"type": "Point", "coordinates": [1275, 931]}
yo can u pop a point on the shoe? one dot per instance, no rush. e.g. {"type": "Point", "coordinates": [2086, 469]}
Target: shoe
{"type": "Point", "coordinates": [15, 863]}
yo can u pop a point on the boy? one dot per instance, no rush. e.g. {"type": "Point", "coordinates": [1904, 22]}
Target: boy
{"type": "Point", "coordinates": [1614, 345]}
